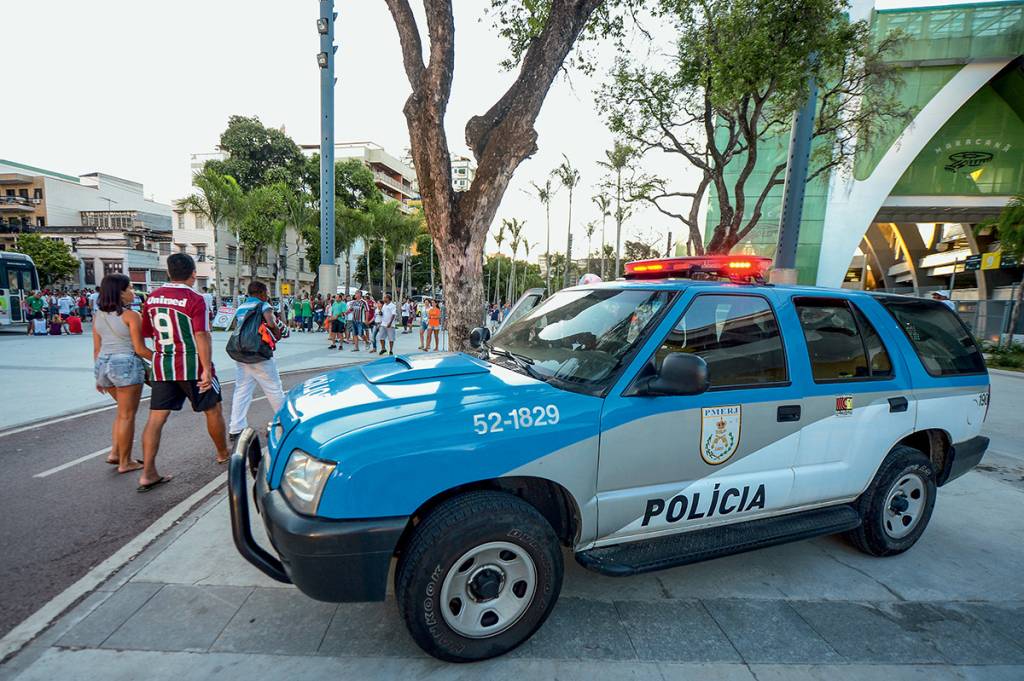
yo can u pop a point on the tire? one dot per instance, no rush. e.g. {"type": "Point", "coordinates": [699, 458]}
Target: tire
{"type": "Point", "coordinates": [472, 557]}
{"type": "Point", "coordinates": [896, 507]}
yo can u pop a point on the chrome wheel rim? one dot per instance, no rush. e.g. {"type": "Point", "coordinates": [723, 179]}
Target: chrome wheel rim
{"type": "Point", "coordinates": [488, 589]}
{"type": "Point", "coordinates": [904, 505]}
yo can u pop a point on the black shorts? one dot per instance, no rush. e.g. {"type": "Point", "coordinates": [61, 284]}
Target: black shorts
{"type": "Point", "coordinates": [171, 395]}
{"type": "Point", "coordinates": [337, 326]}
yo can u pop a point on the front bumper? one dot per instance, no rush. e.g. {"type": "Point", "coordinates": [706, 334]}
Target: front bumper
{"type": "Point", "coordinates": [330, 560]}
{"type": "Point", "coordinates": [962, 457]}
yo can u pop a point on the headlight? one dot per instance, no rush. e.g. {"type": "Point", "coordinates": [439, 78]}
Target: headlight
{"type": "Point", "coordinates": [304, 480]}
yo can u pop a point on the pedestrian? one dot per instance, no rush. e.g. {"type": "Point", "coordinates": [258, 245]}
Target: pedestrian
{"type": "Point", "coordinates": [492, 322]}
{"type": "Point", "coordinates": [307, 314]}
{"type": "Point", "coordinates": [74, 323]}
{"type": "Point", "coordinates": [265, 373]}
{"type": "Point", "coordinates": [175, 317]}
{"type": "Point", "coordinates": [406, 320]}
{"type": "Point", "coordinates": [357, 316]}
{"type": "Point", "coordinates": [118, 350]}
{"type": "Point", "coordinates": [369, 324]}
{"type": "Point", "coordinates": [433, 324]}
{"type": "Point", "coordinates": [386, 330]}
{"type": "Point", "coordinates": [208, 297]}
{"type": "Point", "coordinates": [56, 325]}
{"type": "Point", "coordinates": [36, 305]}
{"type": "Point", "coordinates": [94, 302]}
{"type": "Point", "coordinates": [424, 323]}
{"type": "Point", "coordinates": [83, 304]}
{"type": "Point", "coordinates": [338, 309]}
{"type": "Point", "coordinates": [296, 312]}
{"type": "Point", "coordinates": [943, 297]}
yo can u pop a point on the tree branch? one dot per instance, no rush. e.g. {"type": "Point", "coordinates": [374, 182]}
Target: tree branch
{"type": "Point", "coordinates": [409, 38]}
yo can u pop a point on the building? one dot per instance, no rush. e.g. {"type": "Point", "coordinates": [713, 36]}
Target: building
{"type": "Point", "coordinates": [906, 218]}
{"type": "Point", "coordinates": [463, 172]}
{"type": "Point", "coordinates": [107, 221]}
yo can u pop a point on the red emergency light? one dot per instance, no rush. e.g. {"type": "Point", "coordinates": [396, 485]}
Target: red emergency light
{"type": "Point", "coordinates": [739, 268]}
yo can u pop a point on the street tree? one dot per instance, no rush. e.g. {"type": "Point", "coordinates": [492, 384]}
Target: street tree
{"type": "Point", "coordinates": [258, 155]}
{"type": "Point", "coordinates": [515, 238]}
{"type": "Point", "coordinates": [545, 193]}
{"type": "Point", "coordinates": [618, 161]}
{"type": "Point", "coordinates": [541, 36]}
{"type": "Point", "coordinates": [53, 258]}
{"type": "Point", "coordinates": [641, 250]}
{"type": "Point", "coordinates": [218, 198]}
{"type": "Point", "coordinates": [604, 204]}
{"type": "Point", "coordinates": [262, 218]}
{"type": "Point", "coordinates": [739, 70]}
{"type": "Point", "coordinates": [568, 177]}
{"type": "Point", "coordinates": [1009, 228]}
{"type": "Point", "coordinates": [303, 220]}
{"type": "Point", "coordinates": [354, 184]}
{"type": "Point", "coordinates": [349, 226]}
{"type": "Point", "coordinates": [499, 237]}
{"type": "Point", "coordinates": [589, 230]}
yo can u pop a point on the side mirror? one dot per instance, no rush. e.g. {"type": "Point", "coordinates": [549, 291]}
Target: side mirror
{"type": "Point", "coordinates": [479, 336]}
{"type": "Point", "coordinates": [681, 374]}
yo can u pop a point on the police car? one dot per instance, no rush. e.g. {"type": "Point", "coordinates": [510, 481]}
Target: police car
{"type": "Point", "coordinates": [687, 413]}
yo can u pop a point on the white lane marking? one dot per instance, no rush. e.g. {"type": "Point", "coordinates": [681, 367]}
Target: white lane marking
{"type": "Point", "coordinates": [69, 464]}
{"type": "Point", "coordinates": [40, 619]}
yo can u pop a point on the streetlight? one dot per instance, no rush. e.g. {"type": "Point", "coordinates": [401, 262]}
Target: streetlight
{"type": "Point", "coordinates": [325, 60]}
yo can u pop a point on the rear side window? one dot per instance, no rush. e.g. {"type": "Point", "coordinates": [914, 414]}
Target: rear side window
{"type": "Point", "coordinates": [737, 336]}
{"type": "Point", "coordinates": [841, 342]}
{"type": "Point", "coordinates": [939, 338]}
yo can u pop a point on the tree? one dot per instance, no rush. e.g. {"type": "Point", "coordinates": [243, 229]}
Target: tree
{"type": "Point", "coordinates": [350, 224]}
{"type": "Point", "coordinates": [541, 36]}
{"type": "Point", "coordinates": [569, 177]}
{"type": "Point", "coordinates": [739, 71]}
{"type": "Point", "coordinates": [53, 258]}
{"type": "Point", "coordinates": [258, 155]}
{"type": "Point", "coordinates": [262, 218]}
{"type": "Point", "coordinates": [545, 193]}
{"type": "Point", "coordinates": [398, 231]}
{"type": "Point", "coordinates": [498, 239]}
{"type": "Point", "coordinates": [603, 203]}
{"type": "Point", "coordinates": [640, 250]}
{"type": "Point", "coordinates": [1010, 230]}
{"type": "Point", "coordinates": [219, 200]}
{"type": "Point", "coordinates": [354, 184]}
{"type": "Point", "coordinates": [515, 231]}
{"type": "Point", "coordinates": [304, 221]}
{"type": "Point", "coordinates": [618, 160]}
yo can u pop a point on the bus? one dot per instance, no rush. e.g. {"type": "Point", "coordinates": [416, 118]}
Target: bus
{"type": "Point", "coordinates": [18, 279]}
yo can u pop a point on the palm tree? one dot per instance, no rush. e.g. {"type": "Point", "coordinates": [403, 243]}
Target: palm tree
{"type": "Point", "coordinates": [603, 203]}
{"type": "Point", "coordinates": [545, 194]}
{"type": "Point", "coordinates": [1010, 230]}
{"type": "Point", "coordinates": [526, 257]}
{"type": "Point", "coordinates": [619, 158]}
{"type": "Point", "coordinates": [300, 216]}
{"type": "Point", "coordinates": [569, 177]}
{"type": "Point", "coordinates": [590, 229]}
{"type": "Point", "coordinates": [349, 225]}
{"type": "Point", "coordinates": [498, 238]}
{"type": "Point", "coordinates": [515, 228]}
{"type": "Point", "coordinates": [219, 200]}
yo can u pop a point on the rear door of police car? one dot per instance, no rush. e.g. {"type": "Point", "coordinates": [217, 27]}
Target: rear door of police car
{"type": "Point", "coordinates": [677, 463]}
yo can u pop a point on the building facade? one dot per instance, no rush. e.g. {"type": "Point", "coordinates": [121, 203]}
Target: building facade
{"type": "Point", "coordinates": [107, 221]}
{"type": "Point", "coordinates": [907, 216]}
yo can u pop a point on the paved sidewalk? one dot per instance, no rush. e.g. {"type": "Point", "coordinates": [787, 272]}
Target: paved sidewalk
{"type": "Point", "coordinates": [53, 375]}
{"type": "Point", "coordinates": [951, 608]}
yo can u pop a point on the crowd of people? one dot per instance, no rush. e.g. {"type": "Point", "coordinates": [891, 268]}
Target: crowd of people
{"type": "Point", "coordinates": [57, 312]}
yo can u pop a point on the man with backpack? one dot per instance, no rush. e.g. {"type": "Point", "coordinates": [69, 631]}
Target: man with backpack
{"type": "Point", "coordinates": [256, 325]}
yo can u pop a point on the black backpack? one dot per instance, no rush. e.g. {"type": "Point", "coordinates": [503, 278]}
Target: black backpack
{"type": "Point", "coordinates": [246, 345]}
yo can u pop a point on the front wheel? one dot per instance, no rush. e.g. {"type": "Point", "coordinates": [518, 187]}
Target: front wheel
{"type": "Point", "coordinates": [896, 507]}
{"type": "Point", "coordinates": [478, 577]}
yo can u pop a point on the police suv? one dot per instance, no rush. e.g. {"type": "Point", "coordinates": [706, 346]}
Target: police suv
{"type": "Point", "coordinates": [687, 413]}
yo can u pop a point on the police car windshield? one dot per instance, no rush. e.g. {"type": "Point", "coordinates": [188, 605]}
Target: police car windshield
{"type": "Point", "coordinates": [581, 336]}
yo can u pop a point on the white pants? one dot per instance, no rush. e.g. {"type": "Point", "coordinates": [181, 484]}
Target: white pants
{"type": "Point", "coordinates": [246, 378]}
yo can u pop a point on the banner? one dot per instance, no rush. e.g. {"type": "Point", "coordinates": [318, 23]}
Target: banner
{"type": "Point", "coordinates": [224, 319]}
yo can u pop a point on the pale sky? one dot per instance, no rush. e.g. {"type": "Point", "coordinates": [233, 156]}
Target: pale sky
{"type": "Point", "coordinates": [132, 87]}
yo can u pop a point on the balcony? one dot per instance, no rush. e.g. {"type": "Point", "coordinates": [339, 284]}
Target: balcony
{"type": "Point", "coordinates": [15, 227]}
{"type": "Point", "coordinates": [18, 204]}
{"type": "Point", "coordinates": [394, 184]}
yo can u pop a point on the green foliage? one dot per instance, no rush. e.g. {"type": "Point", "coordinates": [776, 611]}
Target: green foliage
{"type": "Point", "coordinates": [739, 70]}
{"type": "Point", "coordinates": [258, 155]}
{"type": "Point", "coordinates": [354, 185]}
{"type": "Point", "coordinates": [53, 258]}
{"type": "Point", "coordinates": [219, 198]}
{"type": "Point", "coordinates": [1010, 356]}
{"type": "Point", "coordinates": [638, 250]}
{"type": "Point", "coordinates": [1010, 227]}
{"type": "Point", "coordinates": [262, 220]}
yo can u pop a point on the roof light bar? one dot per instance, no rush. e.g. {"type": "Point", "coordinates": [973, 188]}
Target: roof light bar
{"type": "Point", "coordinates": [739, 268]}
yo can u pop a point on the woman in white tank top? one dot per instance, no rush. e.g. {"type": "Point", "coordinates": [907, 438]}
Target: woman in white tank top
{"type": "Point", "coordinates": [118, 350]}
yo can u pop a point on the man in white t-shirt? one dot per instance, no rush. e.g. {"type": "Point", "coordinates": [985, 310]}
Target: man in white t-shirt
{"type": "Point", "coordinates": [208, 297]}
{"type": "Point", "coordinates": [388, 315]}
{"type": "Point", "coordinates": [64, 305]}
{"type": "Point", "coordinates": [94, 301]}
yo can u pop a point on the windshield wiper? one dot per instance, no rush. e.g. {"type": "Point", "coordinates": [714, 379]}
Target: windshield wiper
{"type": "Point", "coordinates": [523, 362]}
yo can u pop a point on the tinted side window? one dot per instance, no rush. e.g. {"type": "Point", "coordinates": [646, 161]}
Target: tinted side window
{"type": "Point", "coordinates": [737, 336]}
{"type": "Point", "coordinates": [939, 338]}
{"type": "Point", "coordinates": [841, 343]}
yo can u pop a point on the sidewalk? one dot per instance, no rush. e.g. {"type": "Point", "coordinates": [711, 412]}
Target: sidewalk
{"type": "Point", "coordinates": [53, 375]}
{"type": "Point", "coordinates": [952, 608]}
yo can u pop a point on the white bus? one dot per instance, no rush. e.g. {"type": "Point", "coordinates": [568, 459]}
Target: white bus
{"type": "Point", "coordinates": [18, 279]}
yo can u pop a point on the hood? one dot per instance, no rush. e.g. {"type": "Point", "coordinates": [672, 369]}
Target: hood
{"type": "Point", "coordinates": [347, 400]}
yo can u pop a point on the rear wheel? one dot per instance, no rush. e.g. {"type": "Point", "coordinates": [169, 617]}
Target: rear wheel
{"type": "Point", "coordinates": [898, 504]}
{"type": "Point", "coordinates": [478, 577]}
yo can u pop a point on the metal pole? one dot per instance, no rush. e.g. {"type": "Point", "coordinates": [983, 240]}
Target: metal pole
{"type": "Point", "coordinates": [796, 180]}
{"type": "Point", "coordinates": [325, 26]}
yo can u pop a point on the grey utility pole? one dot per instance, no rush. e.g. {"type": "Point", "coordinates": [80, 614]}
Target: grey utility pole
{"type": "Point", "coordinates": [796, 180]}
{"type": "Point", "coordinates": [325, 60]}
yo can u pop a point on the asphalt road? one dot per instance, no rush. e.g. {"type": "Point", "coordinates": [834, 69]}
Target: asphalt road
{"type": "Point", "coordinates": [55, 528]}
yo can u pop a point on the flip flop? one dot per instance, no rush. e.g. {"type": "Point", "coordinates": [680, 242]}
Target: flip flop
{"type": "Point", "coordinates": [145, 488]}
{"type": "Point", "coordinates": [221, 463]}
{"type": "Point", "coordinates": [115, 463]}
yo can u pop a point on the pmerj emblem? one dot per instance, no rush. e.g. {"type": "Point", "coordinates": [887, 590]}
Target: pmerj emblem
{"type": "Point", "coordinates": [719, 433]}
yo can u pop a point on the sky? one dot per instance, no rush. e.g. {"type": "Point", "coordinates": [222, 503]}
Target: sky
{"type": "Point", "coordinates": [133, 87]}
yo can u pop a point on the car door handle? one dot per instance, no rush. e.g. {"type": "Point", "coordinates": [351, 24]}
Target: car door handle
{"type": "Point", "coordinates": [897, 404]}
{"type": "Point", "coordinates": [788, 412]}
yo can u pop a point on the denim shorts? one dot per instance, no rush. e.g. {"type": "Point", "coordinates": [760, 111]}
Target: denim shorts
{"type": "Point", "coordinates": [119, 371]}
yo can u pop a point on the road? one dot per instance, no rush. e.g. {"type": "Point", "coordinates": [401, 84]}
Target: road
{"type": "Point", "coordinates": [58, 521]}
